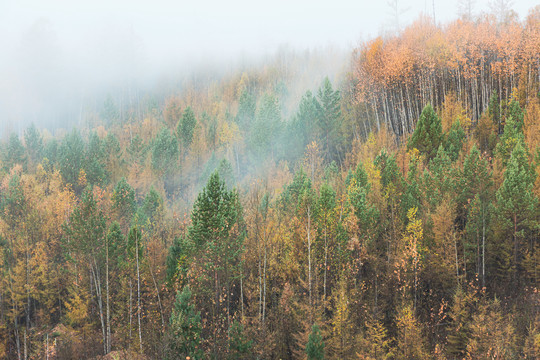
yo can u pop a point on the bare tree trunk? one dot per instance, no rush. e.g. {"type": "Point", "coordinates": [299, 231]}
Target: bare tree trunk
{"type": "Point", "coordinates": [309, 255]}
{"type": "Point", "coordinates": [138, 291]}
{"type": "Point", "coordinates": [130, 308]}
{"type": "Point", "coordinates": [95, 274]}
{"type": "Point", "coordinates": [158, 297]}
{"type": "Point", "coordinates": [483, 247]}
{"type": "Point", "coordinates": [108, 298]}
{"type": "Point", "coordinates": [325, 261]}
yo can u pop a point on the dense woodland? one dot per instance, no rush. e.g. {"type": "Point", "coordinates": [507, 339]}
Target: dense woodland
{"type": "Point", "coordinates": [391, 213]}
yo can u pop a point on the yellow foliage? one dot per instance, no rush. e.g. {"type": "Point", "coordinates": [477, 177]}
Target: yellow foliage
{"type": "Point", "coordinates": [453, 110]}
{"type": "Point", "coordinates": [76, 309]}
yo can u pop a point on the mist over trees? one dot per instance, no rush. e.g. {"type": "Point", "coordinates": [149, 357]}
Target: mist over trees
{"type": "Point", "coordinates": [290, 209]}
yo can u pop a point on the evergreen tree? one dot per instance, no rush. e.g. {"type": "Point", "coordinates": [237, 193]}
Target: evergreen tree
{"type": "Point", "coordinates": [516, 202]}
{"type": "Point", "coordinates": [453, 142]}
{"type": "Point", "coordinates": [428, 133]}
{"type": "Point", "coordinates": [246, 110]}
{"type": "Point", "coordinates": [301, 129]}
{"type": "Point", "coordinates": [315, 344]}
{"type": "Point", "coordinates": [71, 157]}
{"type": "Point", "coordinates": [515, 112]}
{"type": "Point", "coordinates": [217, 233]}
{"type": "Point", "coordinates": [186, 127]}
{"type": "Point", "coordinates": [15, 153]}
{"type": "Point", "coordinates": [178, 261]}
{"type": "Point", "coordinates": [511, 136]}
{"type": "Point", "coordinates": [34, 144]}
{"type": "Point", "coordinates": [266, 126]}
{"type": "Point", "coordinates": [239, 345]}
{"type": "Point", "coordinates": [329, 119]}
{"type": "Point", "coordinates": [94, 163]}
{"type": "Point", "coordinates": [184, 329]}
{"type": "Point", "coordinates": [164, 153]}
{"type": "Point", "coordinates": [123, 198]}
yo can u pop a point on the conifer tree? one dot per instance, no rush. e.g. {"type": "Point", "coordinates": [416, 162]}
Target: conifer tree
{"type": "Point", "coordinates": [428, 133]}
{"type": "Point", "coordinates": [186, 127]}
{"type": "Point", "coordinates": [184, 329]}
{"type": "Point", "coordinates": [315, 344]}
{"type": "Point", "coordinates": [516, 202]}
{"type": "Point", "coordinates": [329, 119]}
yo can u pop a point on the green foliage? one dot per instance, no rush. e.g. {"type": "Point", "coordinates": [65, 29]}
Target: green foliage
{"type": "Point", "coordinates": [34, 144]}
{"type": "Point", "coordinates": [123, 198]}
{"type": "Point", "coordinates": [110, 111]}
{"type": "Point", "coordinates": [246, 110]}
{"type": "Point", "coordinates": [134, 244]}
{"type": "Point", "coordinates": [186, 127]}
{"type": "Point", "coordinates": [315, 344]}
{"type": "Point", "coordinates": [151, 207]}
{"type": "Point", "coordinates": [239, 345]}
{"type": "Point", "coordinates": [515, 112]}
{"type": "Point", "coordinates": [85, 231]}
{"type": "Point", "coordinates": [301, 130]}
{"type": "Point", "coordinates": [71, 157]}
{"type": "Point", "coordinates": [428, 133]}
{"type": "Point", "coordinates": [94, 163]}
{"type": "Point", "coordinates": [511, 136]}
{"type": "Point", "coordinates": [117, 245]}
{"type": "Point", "coordinates": [215, 213]}
{"type": "Point", "coordinates": [412, 197]}
{"type": "Point", "coordinates": [266, 127]}
{"type": "Point", "coordinates": [15, 153]}
{"type": "Point", "coordinates": [439, 179]}
{"type": "Point", "coordinates": [226, 173]}
{"type": "Point", "coordinates": [178, 261]}
{"type": "Point", "coordinates": [137, 150]}
{"type": "Point", "coordinates": [184, 329]}
{"type": "Point", "coordinates": [329, 119]}
{"type": "Point", "coordinates": [164, 153]}
{"type": "Point", "coordinates": [453, 142]}
{"type": "Point", "coordinates": [516, 201]}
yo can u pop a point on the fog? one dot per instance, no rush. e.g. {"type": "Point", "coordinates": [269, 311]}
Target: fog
{"type": "Point", "coordinates": [60, 57]}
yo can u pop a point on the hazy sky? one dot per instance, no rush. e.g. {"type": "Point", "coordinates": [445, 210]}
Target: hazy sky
{"type": "Point", "coordinates": [56, 53]}
{"type": "Point", "coordinates": [214, 27]}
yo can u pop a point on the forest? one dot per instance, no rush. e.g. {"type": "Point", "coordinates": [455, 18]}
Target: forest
{"type": "Point", "coordinates": [388, 211]}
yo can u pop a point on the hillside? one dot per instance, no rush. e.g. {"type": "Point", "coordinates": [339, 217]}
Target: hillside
{"type": "Point", "coordinates": [385, 209]}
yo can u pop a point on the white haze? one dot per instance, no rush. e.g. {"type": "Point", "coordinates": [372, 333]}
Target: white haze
{"type": "Point", "coordinates": [58, 56]}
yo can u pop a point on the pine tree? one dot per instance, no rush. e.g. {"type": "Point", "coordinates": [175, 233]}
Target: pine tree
{"type": "Point", "coordinates": [329, 119]}
{"type": "Point", "coordinates": [315, 344]}
{"type": "Point", "coordinates": [246, 110]}
{"type": "Point", "coordinates": [15, 153]}
{"type": "Point", "coordinates": [217, 233]}
{"type": "Point", "coordinates": [71, 157]}
{"type": "Point", "coordinates": [428, 133]}
{"type": "Point", "coordinates": [123, 198]}
{"type": "Point", "coordinates": [34, 144]}
{"type": "Point", "coordinates": [186, 127]}
{"type": "Point", "coordinates": [164, 153]}
{"type": "Point", "coordinates": [516, 202]}
{"type": "Point", "coordinates": [94, 163]}
{"type": "Point", "coordinates": [184, 329]}
{"type": "Point", "coordinates": [239, 345]}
